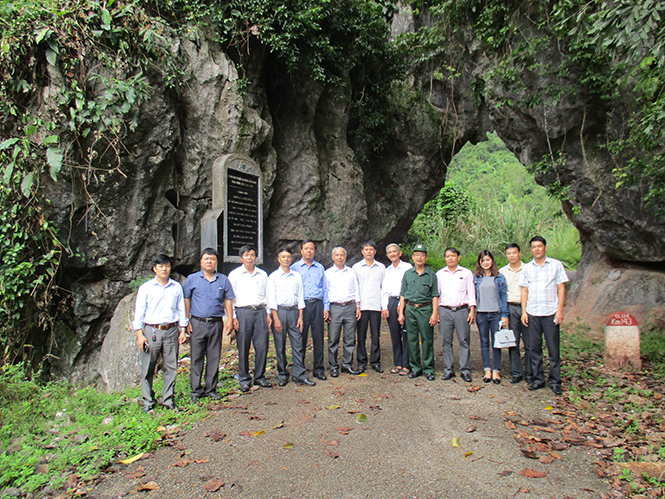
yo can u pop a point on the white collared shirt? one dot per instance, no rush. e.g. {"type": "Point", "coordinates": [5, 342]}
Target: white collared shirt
{"type": "Point", "coordinates": [250, 288]}
{"type": "Point", "coordinates": [157, 304]}
{"type": "Point", "coordinates": [370, 278]}
{"type": "Point", "coordinates": [456, 288]}
{"type": "Point", "coordinates": [342, 285]}
{"type": "Point", "coordinates": [392, 282]}
{"type": "Point", "coordinates": [513, 282]}
{"type": "Point", "coordinates": [285, 289]}
{"type": "Point", "coordinates": [542, 282]}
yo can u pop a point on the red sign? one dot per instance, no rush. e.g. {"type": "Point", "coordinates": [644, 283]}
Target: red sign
{"type": "Point", "coordinates": [620, 319]}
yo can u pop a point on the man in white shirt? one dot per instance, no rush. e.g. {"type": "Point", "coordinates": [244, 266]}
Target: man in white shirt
{"type": "Point", "coordinates": [369, 273]}
{"type": "Point", "coordinates": [513, 273]}
{"type": "Point", "coordinates": [159, 313]}
{"type": "Point", "coordinates": [457, 308]}
{"type": "Point", "coordinates": [390, 293]}
{"type": "Point", "coordinates": [543, 294]}
{"type": "Point", "coordinates": [252, 318]}
{"type": "Point", "coordinates": [344, 312]}
{"type": "Point", "coordinates": [286, 303]}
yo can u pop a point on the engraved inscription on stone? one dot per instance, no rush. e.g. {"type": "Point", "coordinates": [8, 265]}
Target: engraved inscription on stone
{"type": "Point", "coordinates": [242, 214]}
{"type": "Point", "coordinates": [622, 341]}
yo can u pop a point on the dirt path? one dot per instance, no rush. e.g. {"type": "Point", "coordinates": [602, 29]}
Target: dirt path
{"type": "Point", "coordinates": [314, 445]}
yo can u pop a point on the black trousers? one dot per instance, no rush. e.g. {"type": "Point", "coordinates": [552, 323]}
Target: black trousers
{"type": "Point", "coordinates": [540, 326]}
{"type": "Point", "coordinates": [397, 335]}
{"type": "Point", "coordinates": [253, 328]}
{"type": "Point", "coordinates": [313, 319]}
{"type": "Point", "coordinates": [206, 342]}
{"type": "Point", "coordinates": [371, 318]}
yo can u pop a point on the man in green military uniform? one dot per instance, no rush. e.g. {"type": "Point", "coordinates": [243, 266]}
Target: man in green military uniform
{"type": "Point", "coordinates": [420, 297]}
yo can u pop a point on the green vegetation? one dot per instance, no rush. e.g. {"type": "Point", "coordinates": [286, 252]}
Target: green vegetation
{"type": "Point", "coordinates": [66, 430]}
{"type": "Point", "coordinates": [490, 201]}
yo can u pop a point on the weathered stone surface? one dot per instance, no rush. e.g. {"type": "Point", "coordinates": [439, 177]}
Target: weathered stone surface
{"type": "Point", "coordinates": [120, 361]}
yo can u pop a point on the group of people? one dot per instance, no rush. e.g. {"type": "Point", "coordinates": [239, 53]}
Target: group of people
{"type": "Point", "coordinates": [299, 298]}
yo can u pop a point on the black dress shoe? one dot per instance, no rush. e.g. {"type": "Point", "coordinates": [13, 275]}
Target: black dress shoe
{"type": "Point", "coordinates": [147, 408]}
{"type": "Point", "coordinates": [448, 376]}
{"type": "Point", "coordinates": [414, 374]}
{"type": "Point", "coordinates": [466, 377]}
{"type": "Point", "coordinates": [557, 390]}
{"type": "Point", "coordinates": [496, 381]}
{"type": "Point", "coordinates": [320, 376]}
{"type": "Point", "coordinates": [536, 386]}
{"type": "Point", "coordinates": [171, 406]}
{"type": "Point", "coordinates": [193, 400]}
{"type": "Point", "coordinates": [244, 388]}
{"type": "Point", "coordinates": [429, 376]}
{"type": "Point", "coordinates": [305, 382]}
{"type": "Point", "coordinates": [361, 369]}
{"type": "Point", "coordinates": [377, 368]}
{"type": "Point", "coordinates": [283, 382]}
{"type": "Point", "coordinates": [350, 370]}
{"type": "Point", "coordinates": [334, 372]}
{"type": "Point", "coordinates": [263, 383]}
{"type": "Point", "coordinates": [515, 379]}
{"type": "Point", "coordinates": [214, 396]}
{"type": "Point", "coordinates": [528, 380]}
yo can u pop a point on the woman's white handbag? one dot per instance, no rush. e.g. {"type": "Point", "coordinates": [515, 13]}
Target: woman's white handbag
{"type": "Point", "coordinates": [504, 338]}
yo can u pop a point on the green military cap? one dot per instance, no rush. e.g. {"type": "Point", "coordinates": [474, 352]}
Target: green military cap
{"type": "Point", "coordinates": [420, 247]}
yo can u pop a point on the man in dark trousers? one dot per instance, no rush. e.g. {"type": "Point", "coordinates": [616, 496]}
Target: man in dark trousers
{"type": "Point", "coordinates": [208, 297]}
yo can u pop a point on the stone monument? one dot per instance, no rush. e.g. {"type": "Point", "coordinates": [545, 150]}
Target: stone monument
{"type": "Point", "coordinates": [236, 214]}
{"type": "Point", "coordinates": [622, 341]}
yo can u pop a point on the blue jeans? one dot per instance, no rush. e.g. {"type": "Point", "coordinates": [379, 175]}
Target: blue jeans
{"type": "Point", "coordinates": [488, 325]}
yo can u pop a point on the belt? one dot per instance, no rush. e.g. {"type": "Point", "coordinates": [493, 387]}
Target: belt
{"type": "Point", "coordinates": [163, 327]}
{"type": "Point", "coordinates": [342, 303]}
{"type": "Point", "coordinates": [393, 298]}
{"type": "Point", "coordinates": [517, 304]}
{"type": "Point", "coordinates": [208, 320]}
{"type": "Point", "coordinates": [313, 300]}
{"type": "Point", "coordinates": [419, 305]}
{"type": "Point", "coordinates": [455, 309]}
{"type": "Point", "coordinates": [290, 307]}
{"type": "Point", "coordinates": [252, 307]}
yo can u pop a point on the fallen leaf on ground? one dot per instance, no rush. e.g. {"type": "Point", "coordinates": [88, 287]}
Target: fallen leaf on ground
{"type": "Point", "coordinates": [147, 486]}
{"type": "Point", "coordinates": [255, 461]}
{"type": "Point", "coordinates": [510, 425]}
{"type": "Point", "coordinates": [233, 397]}
{"type": "Point", "coordinates": [288, 445]}
{"type": "Point", "coordinates": [529, 453]}
{"type": "Point", "coordinates": [505, 473]}
{"type": "Point", "coordinates": [533, 473]}
{"type": "Point", "coordinates": [72, 480]}
{"type": "Point", "coordinates": [333, 407]}
{"type": "Point", "coordinates": [253, 389]}
{"type": "Point", "coordinates": [260, 432]}
{"type": "Point", "coordinates": [473, 389]}
{"type": "Point", "coordinates": [132, 459]}
{"type": "Point", "coordinates": [375, 407]}
{"type": "Point", "coordinates": [363, 375]}
{"type": "Point", "coordinates": [467, 454]}
{"type": "Point", "coordinates": [332, 454]}
{"type": "Point", "coordinates": [201, 461]}
{"type": "Point", "coordinates": [455, 442]}
{"type": "Point", "coordinates": [217, 436]}
{"type": "Point", "coordinates": [344, 430]}
{"type": "Point", "coordinates": [182, 463]}
{"type": "Point", "coordinates": [555, 454]}
{"type": "Point", "coordinates": [478, 418]}
{"type": "Point", "coordinates": [132, 476]}
{"type": "Point", "coordinates": [546, 459]}
{"type": "Point", "coordinates": [280, 425]}
{"type": "Point", "coordinates": [333, 442]}
{"type": "Point", "coordinates": [549, 408]}
{"type": "Point", "coordinates": [361, 418]}
{"type": "Point", "coordinates": [353, 411]}
{"type": "Point", "coordinates": [213, 485]}
{"type": "Point", "coordinates": [247, 433]}
{"type": "Point", "coordinates": [471, 429]}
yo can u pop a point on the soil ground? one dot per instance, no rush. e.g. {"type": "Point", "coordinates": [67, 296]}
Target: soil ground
{"type": "Point", "coordinates": [300, 442]}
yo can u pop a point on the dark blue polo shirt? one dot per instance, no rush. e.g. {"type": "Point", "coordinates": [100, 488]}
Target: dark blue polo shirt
{"type": "Point", "coordinates": [208, 296]}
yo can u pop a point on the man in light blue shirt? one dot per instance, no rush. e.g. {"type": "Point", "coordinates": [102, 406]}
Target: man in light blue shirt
{"type": "Point", "coordinates": [543, 294]}
{"type": "Point", "coordinates": [317, 304]}
{"type": "Point", "coordinates": [286, 303]}
{"type": "Point", "coordinates": [158, 315]}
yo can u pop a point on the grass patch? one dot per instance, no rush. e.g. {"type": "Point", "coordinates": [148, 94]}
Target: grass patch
{"type": "Point", "coordinates": [49, 431]}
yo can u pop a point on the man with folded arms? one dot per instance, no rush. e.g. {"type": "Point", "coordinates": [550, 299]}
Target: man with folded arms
{"type": "Point", "coordinates": [418, 310]}
{"type": "Point", "coordinates": [317, 305]}
{"type": "Point", "coordinates": [208, 297]}
{"type": "Point", "coordinates": [457, 309]}
{"type": "Point", "coordinates": [344, 312]}
{"type": "Point", "coordinates": [390, 290]}
{"type": "Point", "coordinates": [159, 313]}
{"type": "Point", "coordinates": [286, 303]}
{"type": "Point", "coordinates": [252, 318]}
{"type": "Point", "coordinates": [370, 276]}
{"type": "Point", "coordinates": [543, 293]}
